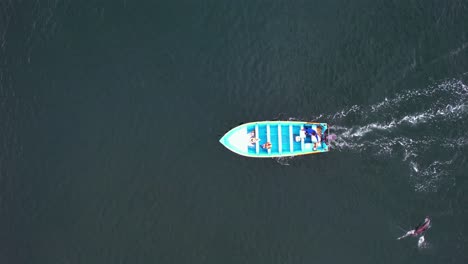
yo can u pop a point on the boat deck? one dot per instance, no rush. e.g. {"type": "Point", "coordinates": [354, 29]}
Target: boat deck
{"type": "Point", "coordinates": [282, 138]}
{"type": "Point", "coordinates": [280, 134]}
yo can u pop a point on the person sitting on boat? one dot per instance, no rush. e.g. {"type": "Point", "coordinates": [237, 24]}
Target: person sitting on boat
{"type": "Point", "coordinates": [267, 145]}
{"type": "Point", "coordinates": [311, 132]}
{"type": "Point", "coordinates": [253, 139]}
{"type": "Point", "coordinates": [319, 131]}
{"type": "Point", "coordinates": [315, 136]}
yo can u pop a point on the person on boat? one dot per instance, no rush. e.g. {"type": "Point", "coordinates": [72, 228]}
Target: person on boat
{"type": "Point", "coordinates": [419, 229]}
{"type": "Point", "coordinates": [253, 139]}
{"type": "Point", "coordinates": [315, 136]}
{"type": "Point", "coordinates": [319, 130]}
{"type": "Point", "coordinates": [267, 145]}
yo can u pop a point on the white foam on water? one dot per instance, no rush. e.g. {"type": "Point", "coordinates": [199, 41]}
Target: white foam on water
{"type": "Point", "coordinates": [429, 178]}
{"type": "Point", "coordinates": [414, 166]}
{"type": "Point", "coordinates": [454, 91]}
{"type": "Point", "coordinates": [440, 106]}
{"type": "Point", "coordinates": [284, 160]}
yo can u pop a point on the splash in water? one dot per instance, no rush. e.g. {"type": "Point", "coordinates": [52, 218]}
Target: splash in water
{"type": "Point", "coordinates": [283, 160]}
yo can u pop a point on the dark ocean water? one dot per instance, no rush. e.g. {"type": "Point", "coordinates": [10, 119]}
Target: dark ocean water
{"type": "Point", "coordinates": [111, 114]}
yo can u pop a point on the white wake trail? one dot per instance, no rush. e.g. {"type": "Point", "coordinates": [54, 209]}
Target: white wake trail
{"type": "Point", "coordinates": [408, 134]}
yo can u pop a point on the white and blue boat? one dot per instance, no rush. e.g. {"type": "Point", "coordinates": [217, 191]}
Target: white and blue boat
{"type": "Point", "coordinates": [282, 139]}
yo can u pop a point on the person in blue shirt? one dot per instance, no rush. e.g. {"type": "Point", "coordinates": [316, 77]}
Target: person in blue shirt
{"type": "Point", "coordinates": [315, 136]}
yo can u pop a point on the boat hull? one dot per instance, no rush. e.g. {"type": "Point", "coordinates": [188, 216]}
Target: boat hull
{"type": "Point", "coordinates": [287, 139]}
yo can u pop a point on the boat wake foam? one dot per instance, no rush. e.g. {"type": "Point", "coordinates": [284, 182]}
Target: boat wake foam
{"type": "Point", "coordinates": [442, 110]}
{"type": "Point", "coordinates": [284, 160]}
{"type": "Point", "coordinates": [428, 139]}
